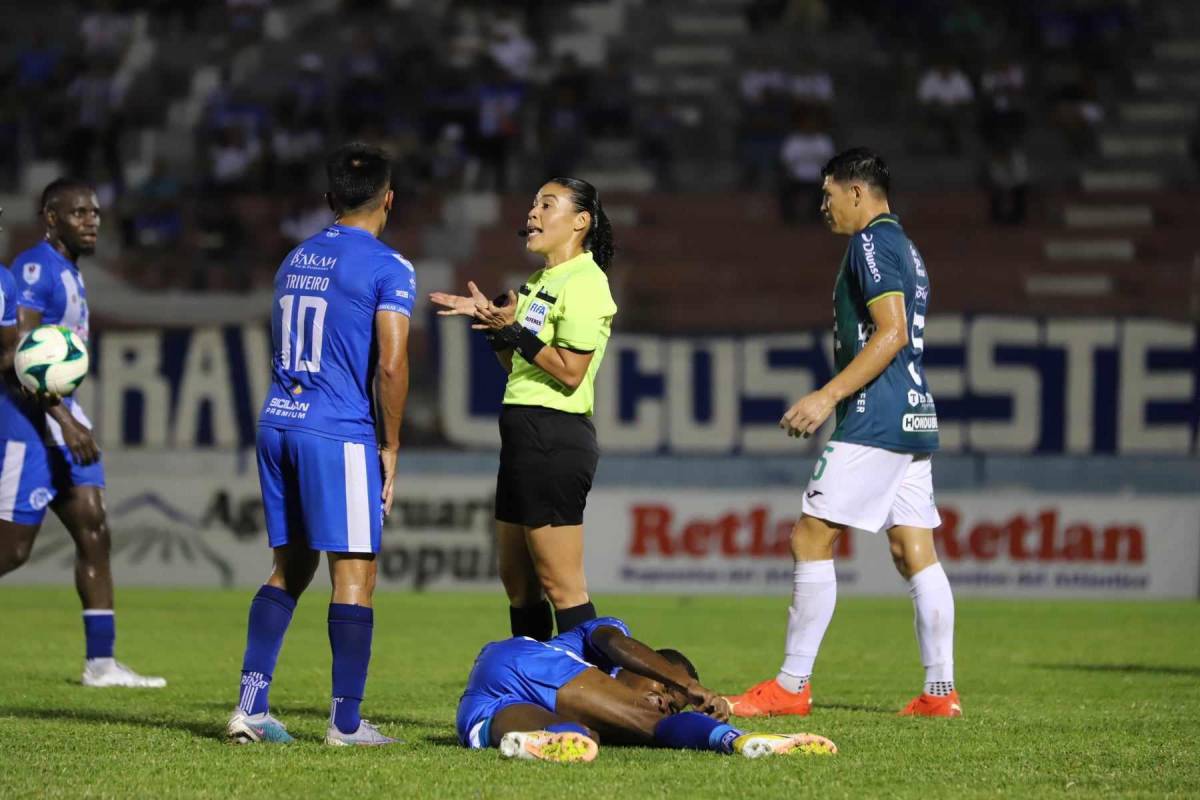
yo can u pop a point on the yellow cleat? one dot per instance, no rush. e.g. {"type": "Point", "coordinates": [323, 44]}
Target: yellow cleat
{"type": "Point", "coordinates": [757, 745]}
{"type": "Point", "coordinates": [560, 748]}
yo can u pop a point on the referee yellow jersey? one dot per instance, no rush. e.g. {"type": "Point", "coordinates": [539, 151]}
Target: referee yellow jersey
{"type": "Point", "coordinates": [568, 305]}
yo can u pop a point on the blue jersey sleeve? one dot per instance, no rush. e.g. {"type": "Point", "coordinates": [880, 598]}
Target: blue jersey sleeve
{"type": "Point", "coordinates": [35, 286]}
{"type": "Point", "coordinates": [878, 268]}
{"type": "Point", "coordinates": [578, 640]}
{"type": "Point", "coordinates": [395, 285]}
{"type": "Point", "coordinates": [8, 298]}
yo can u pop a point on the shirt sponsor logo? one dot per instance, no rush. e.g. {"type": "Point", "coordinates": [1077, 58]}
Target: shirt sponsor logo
{"type": "Point", "coordinates": [402, 293]}
{"type": "Point", "coordinates": [918, 264]}
{"type": "Point", "coordinates": [919, 423]}
{"type": "Point", "coordinates": [291, 409]}
{"type": "Point", "coordinates": [868, 248]}
{"type": "Point", "coordinates": [922, 292]}
{"type": "Point", "coordinates": [916, 398]}
{"type": "Point", "coordinates": [32, 272]}
{"type": "Point", "coordinates": [305, 260]}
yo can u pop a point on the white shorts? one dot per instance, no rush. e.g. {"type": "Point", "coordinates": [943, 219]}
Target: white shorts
{"type": "Point", "coordinates": [870, 488]}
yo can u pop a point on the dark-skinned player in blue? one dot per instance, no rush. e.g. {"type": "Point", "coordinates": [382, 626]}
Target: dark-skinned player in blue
{"type": "Point", "coordinates": [556, 700]}
{"type": "Point", "coordinates": [50, 457]}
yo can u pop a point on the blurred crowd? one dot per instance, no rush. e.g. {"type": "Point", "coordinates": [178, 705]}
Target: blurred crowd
{"type": "Point", "coordinates": [470, 94]}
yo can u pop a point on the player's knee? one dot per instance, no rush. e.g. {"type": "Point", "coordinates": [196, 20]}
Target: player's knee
{"type": "Point", "coordinates": [15, 555]}
{"type": "Point", "coordinates": [564, 593]}
{"type": "Point", "coordinates": [94, 541]}
{"type": "Point", "coordinates": [812, 540]}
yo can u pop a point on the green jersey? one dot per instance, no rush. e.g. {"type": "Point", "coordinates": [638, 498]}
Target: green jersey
{"type": "Point", "coordinates": [895, 411]}
{"type": "Point", "coordinates": [570, 306]}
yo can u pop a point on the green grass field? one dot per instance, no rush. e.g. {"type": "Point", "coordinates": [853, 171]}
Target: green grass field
{"type": "Point", "coordinates": [1061, 699]}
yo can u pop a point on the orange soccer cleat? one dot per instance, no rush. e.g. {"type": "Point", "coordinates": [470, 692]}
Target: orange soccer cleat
{"type": "Point", "coordinates": [769, 699]}
{"type": "Point", "coordinates": [928, 705]}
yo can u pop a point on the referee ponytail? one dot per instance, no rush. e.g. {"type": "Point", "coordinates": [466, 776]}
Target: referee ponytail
{"type": "Point", "coordinates": [599, 238]}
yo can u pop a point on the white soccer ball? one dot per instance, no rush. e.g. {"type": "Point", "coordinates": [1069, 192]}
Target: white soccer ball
{"type": "Point", "coordinates": [53, 359]}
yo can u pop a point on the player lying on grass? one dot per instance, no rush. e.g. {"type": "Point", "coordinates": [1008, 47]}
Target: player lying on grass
{"type": "Point", "coordinates": [555, 700]}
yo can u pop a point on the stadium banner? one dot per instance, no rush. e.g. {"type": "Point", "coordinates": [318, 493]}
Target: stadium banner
{"type": "Point", "coordinates": [1002, 385]}
{"type": "Point", "coordinates": [991, 544]}
{"type": "Point", "coordinates": [196, 519]}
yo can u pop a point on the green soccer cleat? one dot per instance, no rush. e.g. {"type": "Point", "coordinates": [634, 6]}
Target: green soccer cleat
{"type": "Point", "coordinates": [758, 745]}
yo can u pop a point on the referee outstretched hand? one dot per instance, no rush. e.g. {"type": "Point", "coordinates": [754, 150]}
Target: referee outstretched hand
{"type": "Point", "coordinates": [488, 315]}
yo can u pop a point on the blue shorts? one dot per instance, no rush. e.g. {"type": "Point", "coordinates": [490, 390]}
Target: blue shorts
{"type": "Point", "coordinates": [509, 672]}
{"type": "Point", "coordinates": [33, 474]}
{"type": "Point", "coordinates": [323, 493]}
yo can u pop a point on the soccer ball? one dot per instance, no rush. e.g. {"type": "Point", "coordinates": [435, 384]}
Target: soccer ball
{"type": "Point", "coordinates": [51, 359]}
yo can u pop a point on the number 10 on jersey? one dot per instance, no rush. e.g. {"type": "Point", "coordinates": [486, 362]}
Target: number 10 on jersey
{"type": "Point", "coordinates": [302, 329]}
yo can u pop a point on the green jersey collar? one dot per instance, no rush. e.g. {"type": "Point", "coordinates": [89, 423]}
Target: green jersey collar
{"type": "Point", "coordinates": [888, 217]}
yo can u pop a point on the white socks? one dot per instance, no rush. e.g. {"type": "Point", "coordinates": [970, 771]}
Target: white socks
{"type": "Point", "coordinates": [814, 594]}
{"type": "Point", "coordinates": [933, 617]}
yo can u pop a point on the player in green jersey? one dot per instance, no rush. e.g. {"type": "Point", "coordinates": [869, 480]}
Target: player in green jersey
{"type": "Point", "coordinates": [875, 473]}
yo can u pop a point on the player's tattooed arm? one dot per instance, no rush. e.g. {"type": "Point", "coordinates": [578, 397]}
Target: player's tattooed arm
{"type": "Point", "coordinates": [628, 653]}
{"type": "Point", "coordinates": [889, 338]}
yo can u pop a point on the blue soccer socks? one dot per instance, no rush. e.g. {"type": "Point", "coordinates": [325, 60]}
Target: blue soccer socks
{"type": "Point", "coordinates": [350, 629]}
{"type": "Point", "coordinates": [270, 614]}
{"type": "Point", "coordinates": [100, 631]}
{"type": "Point", "coordinates": [691, 730]}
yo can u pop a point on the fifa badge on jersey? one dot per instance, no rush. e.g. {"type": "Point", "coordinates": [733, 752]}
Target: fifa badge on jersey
{"type": "Point", "coordinates": [535, 316]}
{"type": "Point", "coordinates": [32, 272]}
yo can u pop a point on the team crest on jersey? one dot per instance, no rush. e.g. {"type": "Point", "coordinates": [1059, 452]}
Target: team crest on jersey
{"type": "Point", "coordinates": [32, 272]}
{"type": "Point", "coordinates": [40, 497]}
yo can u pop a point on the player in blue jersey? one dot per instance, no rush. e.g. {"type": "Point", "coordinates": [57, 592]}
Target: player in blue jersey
{"type": "Point", "coordinates": [50, 457]}
{"type": "Point", "coordinates": [328, 437]}
{"type": "Point", "coordinates": [555, 700]}
{"type": "Point", "coordinates": [875, 472]}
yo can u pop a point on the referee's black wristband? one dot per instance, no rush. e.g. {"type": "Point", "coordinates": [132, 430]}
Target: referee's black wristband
{"type": "Point", "coordinates": [525, 341]}
{"type": "Point", "coordinates": [498, 345]}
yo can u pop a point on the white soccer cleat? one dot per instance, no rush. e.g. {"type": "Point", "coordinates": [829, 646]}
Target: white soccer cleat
{"type": "Point", "coordinates": [759, 745]}
{"type": "Point", "coordinates": [367, 735]}
{"type": "Point", "coordinates": [561, 748]}
{"type": "Point", "coordinates": [246, 728]}
{"type": "Point", "coordinates": [106, 672]}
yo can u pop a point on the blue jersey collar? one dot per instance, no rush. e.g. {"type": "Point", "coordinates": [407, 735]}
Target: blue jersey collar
{"type": "Point", "coordinates": [53, 253]}
{"type": "Point", "coordinates": [349, 229]}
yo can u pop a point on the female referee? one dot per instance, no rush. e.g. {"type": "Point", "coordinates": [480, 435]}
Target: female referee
{"type": "Point", "coordinates": [550, 337]}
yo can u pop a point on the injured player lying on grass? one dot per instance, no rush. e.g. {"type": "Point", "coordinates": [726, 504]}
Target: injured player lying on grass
{"type": "Point", "coordinates": [556, 700]}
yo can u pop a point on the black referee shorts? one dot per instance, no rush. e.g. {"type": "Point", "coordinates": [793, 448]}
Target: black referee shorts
{"type": "Point", "coordinates": [547, 462]}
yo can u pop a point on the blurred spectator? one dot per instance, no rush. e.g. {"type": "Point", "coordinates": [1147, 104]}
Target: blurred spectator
{"type": "Point", "coordinates": [564, 130]}
{"type": "Point", "coordinates": [1002, 86]}
{"type": "Point", "coordinates": [220, 235]}
{"type": "Point", "coordinates": [1078, 111]}
{"type": "Point", "coordinates": [95, 123]}
{"type": "Point", "coordinates": [945, 95]}
{"type": "Point", "coordinates": [765, 106]}
{"type": "Point", "coordinates": [512, 49]}
{"type": "Point", "coordinates": [309, 89]}
{"type": "Point", "coordinates": [296, 144]}
{"type": "Point", "coordinates": [451, 166]}
{"type": "Point", "coordinates": [105, 31]}
{"type": "Point", "coordinates": [363, 97]}
{"type": "Point", "coordinates": [305, 217]}
{"type": "Point", "coordinates": [656, 132]}
{"type": "Point", "coordinates": [811, 86]}
{"type": "Point", "coordinates": [37, 63]}
{"type": "Point", "coordinates": [610, 98]}
{"type": "Point", "coordinates": [234, 159]}
{"type": "Point", "coordinates": [804, 152]}
{"type": "Point", "coordinates": [157, 218]}
{"type": "Point", "coordinates": [498, 104]}
{"type": "Point", "coordinates": [10, 137]}
{"type": "Point", "coordinates": [1007, 181]}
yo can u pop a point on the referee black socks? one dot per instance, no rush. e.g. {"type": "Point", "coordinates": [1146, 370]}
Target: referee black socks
{"type": "Point", "coordinates": [568, 618]}
{"type": "Point", "coordinates": [535, 621]}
